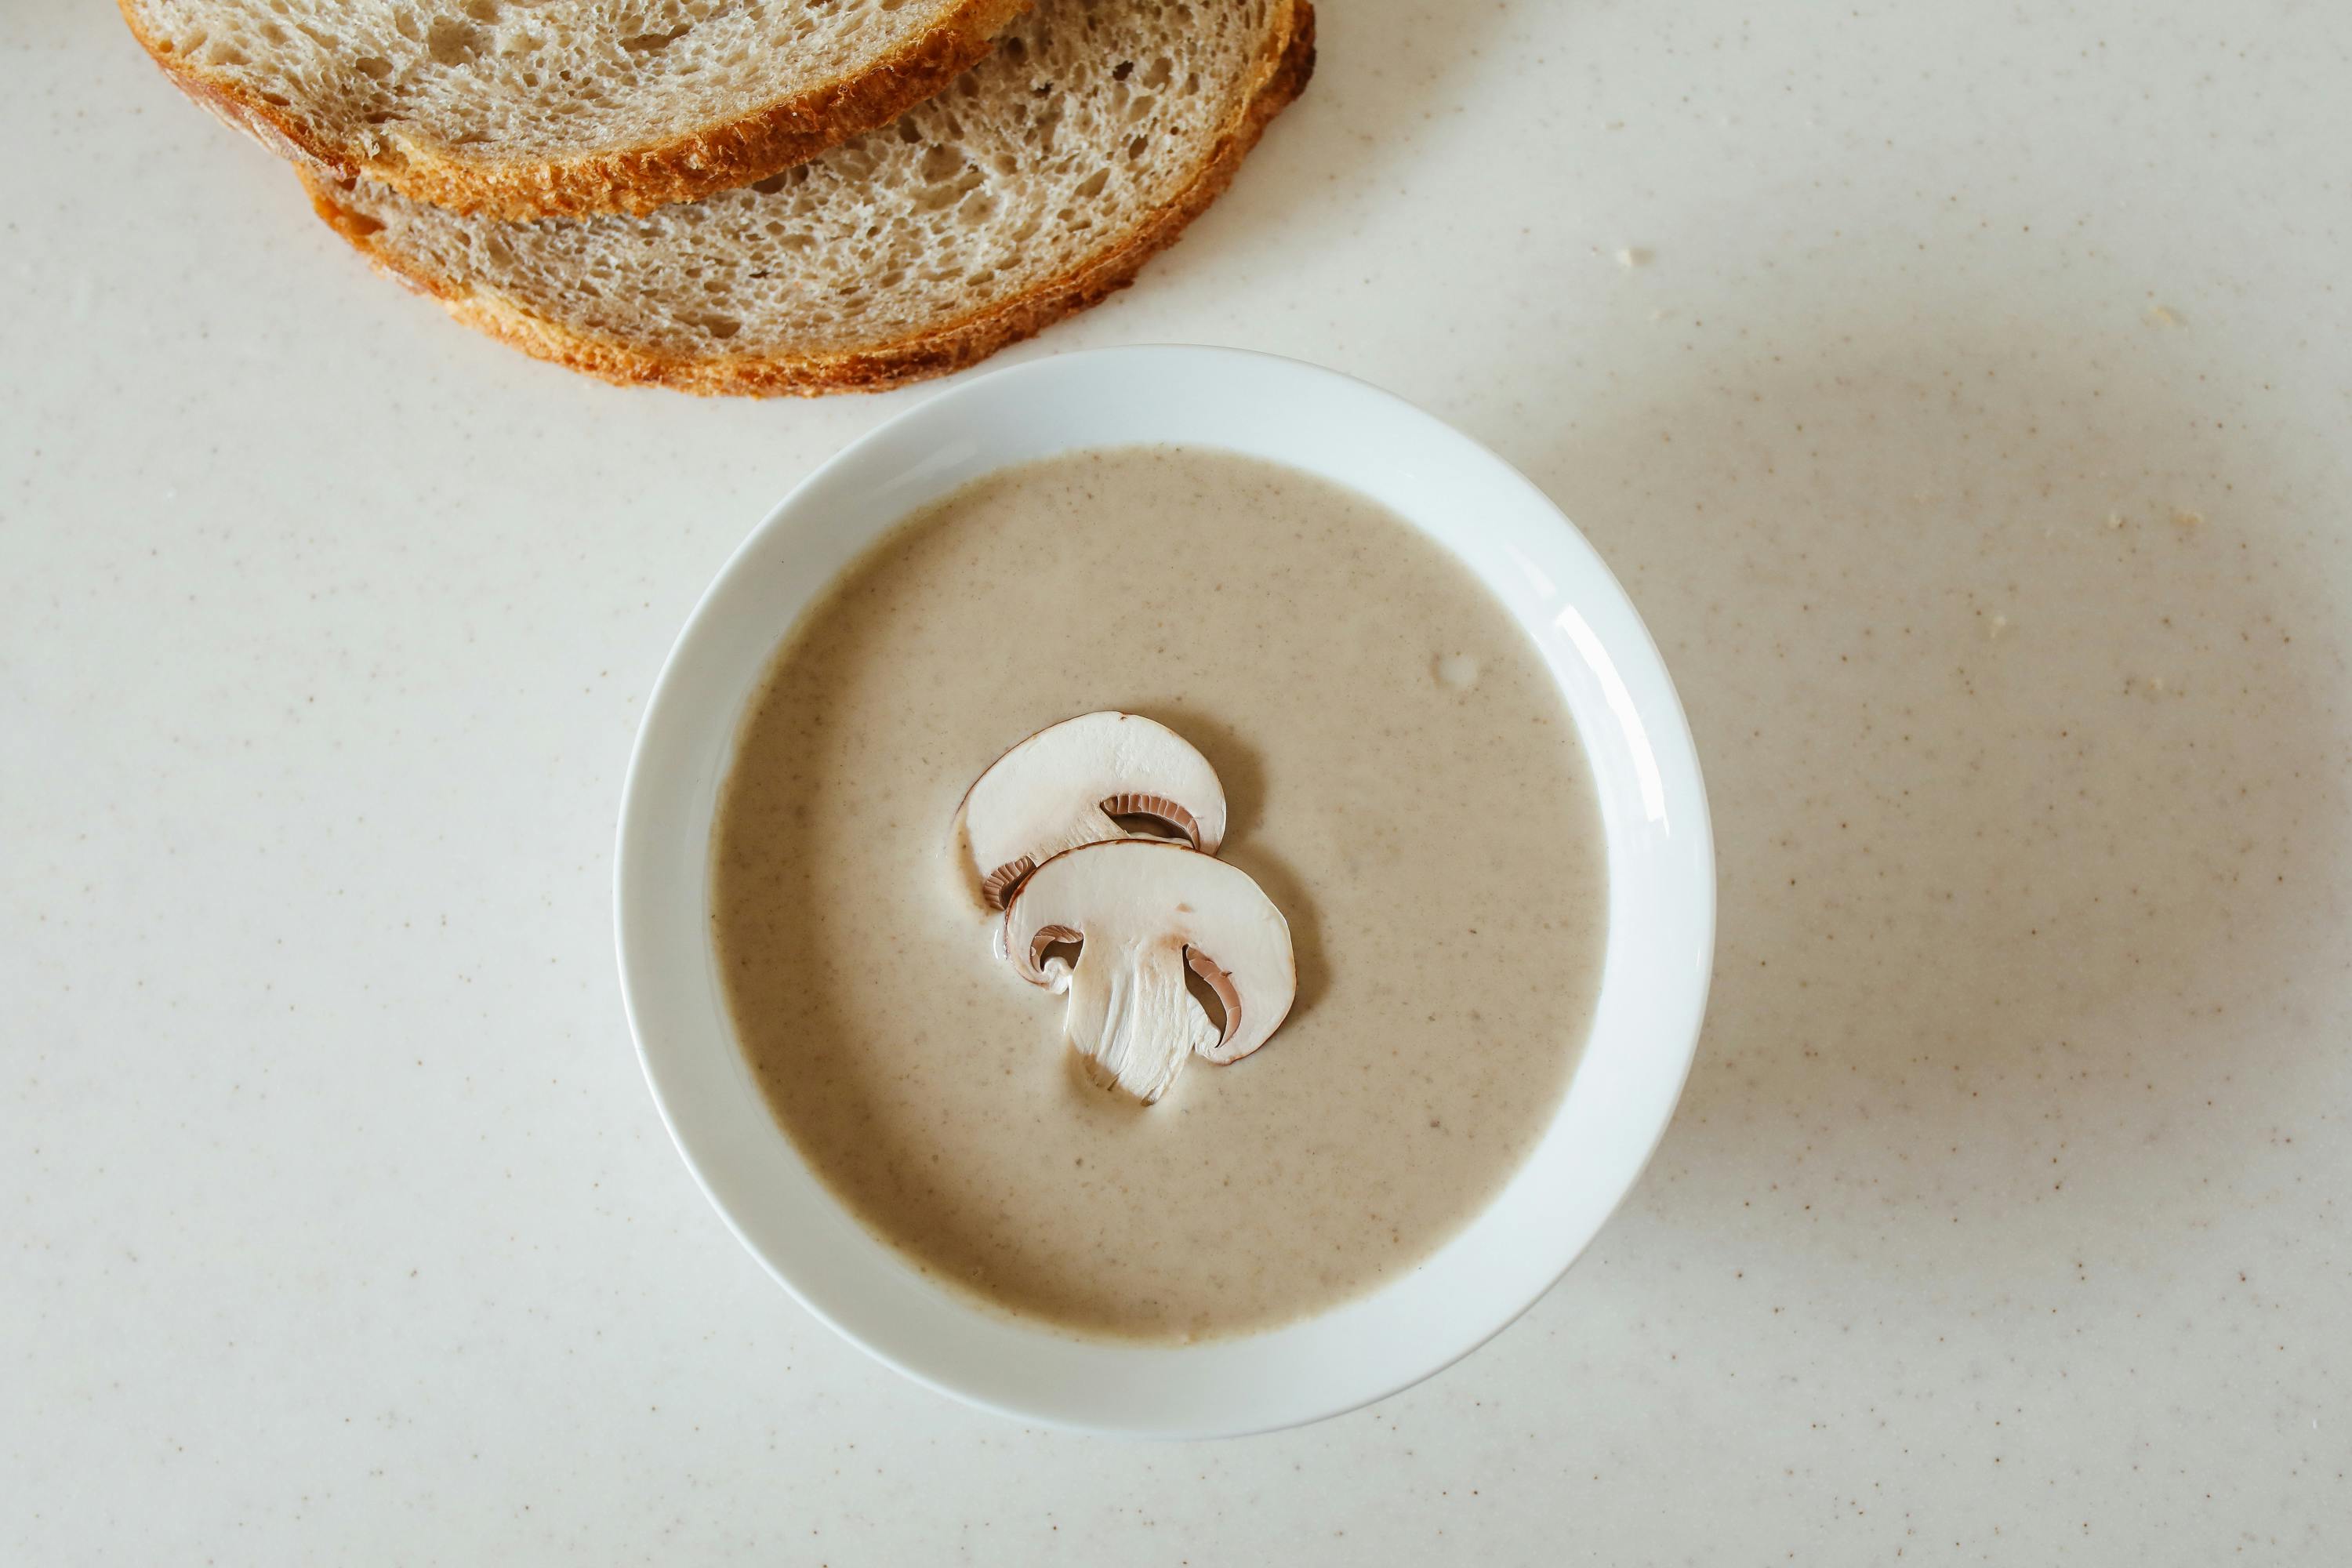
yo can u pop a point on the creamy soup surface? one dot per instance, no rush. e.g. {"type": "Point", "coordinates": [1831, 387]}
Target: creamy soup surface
{"type": "Point", "coordinates": [1403, 782]}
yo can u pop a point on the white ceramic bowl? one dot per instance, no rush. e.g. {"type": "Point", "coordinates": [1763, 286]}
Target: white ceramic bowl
{"type": "Point", "coordinates": [1661, 931]}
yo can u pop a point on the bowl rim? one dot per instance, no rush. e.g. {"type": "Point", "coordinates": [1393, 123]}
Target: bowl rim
{"type": "Point", "coordinates": [1664, 725]}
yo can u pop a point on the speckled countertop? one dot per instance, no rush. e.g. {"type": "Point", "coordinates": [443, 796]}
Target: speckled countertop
{"type": "Point", "coordinates": [1964, 392]}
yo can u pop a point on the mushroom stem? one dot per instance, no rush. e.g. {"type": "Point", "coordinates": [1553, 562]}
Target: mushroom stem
{"type": "Point", "coordinates": [1146, 917]}
{"type": "Point", "coordinates": [1131, 1017]}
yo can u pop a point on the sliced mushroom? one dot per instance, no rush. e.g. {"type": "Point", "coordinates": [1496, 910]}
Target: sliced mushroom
{"type": "Point", "coordinates": [1063, 787]}
{"type": "Point", "coordinates": [1142, 911]}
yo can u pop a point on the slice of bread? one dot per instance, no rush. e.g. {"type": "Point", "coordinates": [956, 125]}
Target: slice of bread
{"type": "Point", "coordinates": [522, 108]}
{"type": "Point", "coordinates": [1039, 183]}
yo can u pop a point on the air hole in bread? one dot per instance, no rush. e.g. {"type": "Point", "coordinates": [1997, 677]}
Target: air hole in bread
{"type": "Point", "coordinates": [451, 42]}
{"type": "Point", "coordinates": [939, 198]}
{"type": "Point", "coordinates": [654, 43]}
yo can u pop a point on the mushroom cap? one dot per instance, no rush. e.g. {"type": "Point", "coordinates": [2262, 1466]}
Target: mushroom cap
{"type": "Point", "coordinates": [1134, 901]}
{"type": "Point", "coordinates": [1061, 787]}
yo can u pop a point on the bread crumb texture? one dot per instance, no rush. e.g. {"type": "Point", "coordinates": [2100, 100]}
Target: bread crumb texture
{"type": "Point", "coordinates": [1039, 182]}
{"type": "Point", "coordinates": [523, 108]}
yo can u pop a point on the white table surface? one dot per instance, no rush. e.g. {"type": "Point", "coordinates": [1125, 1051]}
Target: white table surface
{"type": "Point", "coordinates": [2005, 1218]}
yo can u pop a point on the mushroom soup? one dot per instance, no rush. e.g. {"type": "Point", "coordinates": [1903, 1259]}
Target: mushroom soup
{"type": "Point", "coordinates": [1407, 859]}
